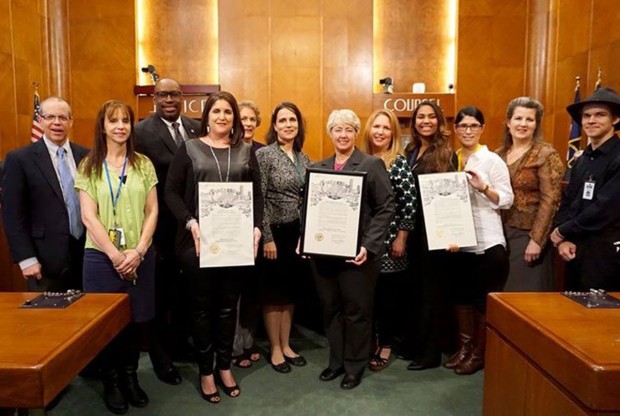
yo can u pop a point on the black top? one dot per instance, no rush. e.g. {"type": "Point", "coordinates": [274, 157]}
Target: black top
{"type": "Point", "coordinates": [581, 217]}
{"type": "Point", "coordinates": [194, 163]}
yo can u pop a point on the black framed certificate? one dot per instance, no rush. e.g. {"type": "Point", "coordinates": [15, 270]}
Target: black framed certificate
{"type": "Point", "coordinates": [331, 213]}
{"type": "Point", "coordinates": [226, 219]}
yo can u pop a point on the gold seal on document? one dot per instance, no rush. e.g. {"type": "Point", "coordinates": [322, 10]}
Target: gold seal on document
{"type": "Point", "coordinates": [318, 236]}
{"type": "Point", "coordinates": [440, 233]}
{"type": "Point", "coordinates": [214, 249]}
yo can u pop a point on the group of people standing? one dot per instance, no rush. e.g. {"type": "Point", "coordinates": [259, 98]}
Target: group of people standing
{"type": "Point", "coordinates": [137, 225]}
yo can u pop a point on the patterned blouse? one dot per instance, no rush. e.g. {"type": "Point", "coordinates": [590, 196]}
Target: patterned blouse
{"type": "Point", "coordinates": [283, 182]}
{"type": "Point", "coordinates": [405, 196]}
{"type": "Point", "coordinates": [536, 179]}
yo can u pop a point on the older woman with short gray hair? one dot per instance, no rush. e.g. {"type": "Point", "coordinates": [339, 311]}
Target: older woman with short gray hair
{"type": "Point", "coordinates": [346, 287]}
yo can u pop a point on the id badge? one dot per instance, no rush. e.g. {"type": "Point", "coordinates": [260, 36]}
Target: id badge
{"type": "Point", "coordinates": [117, 236]}
{"type": "Point", "coordinates": [588, 190]}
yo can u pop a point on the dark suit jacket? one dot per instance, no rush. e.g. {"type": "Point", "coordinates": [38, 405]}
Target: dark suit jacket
{"type": "Point", "coordinates": [378, 203]}
{"type": "Point", "coordinates": [35, 216]}
{"type": "Point", "coordinates": [154, 140]}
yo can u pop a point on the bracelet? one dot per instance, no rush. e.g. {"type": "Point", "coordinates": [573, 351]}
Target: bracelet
{"type": "Point", "coordinates": [189, 223]}
{"type": "Point", "coordinates": [139, 254]}
{"type": "Point", "coordinates": [483, 190]}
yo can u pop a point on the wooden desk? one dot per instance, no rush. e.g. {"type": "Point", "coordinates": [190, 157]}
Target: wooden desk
{"type": "Point", "coordinates": [548, 355]}
{"type": "Point", "coordinates": [42, 350]}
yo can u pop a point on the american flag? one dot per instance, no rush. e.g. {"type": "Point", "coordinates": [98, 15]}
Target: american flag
{"type": "Point", "coordinates": [37, 131]}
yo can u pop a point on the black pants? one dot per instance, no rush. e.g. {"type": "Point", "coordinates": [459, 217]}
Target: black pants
{"type": "Point", "coordinates": [346, 292]}
{"type": "Point", "coordinates": [596, 264]}
{"type": "Point", "coordinates": [476, 275]}
{"type": "Point", "coordinates": [214, 296]}
{"type": "Point", "coordinates": [428, 316]}
{"type": "Point", "coordinates": [389, 300]}
{"type": "Point", "coordinates": [171, 328]}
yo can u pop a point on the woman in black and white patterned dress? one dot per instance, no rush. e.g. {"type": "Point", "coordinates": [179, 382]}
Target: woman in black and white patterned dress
{"type": "Point", "coordinates": [382, 139]}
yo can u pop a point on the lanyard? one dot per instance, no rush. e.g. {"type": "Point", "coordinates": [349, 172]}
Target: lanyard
{"type": "Point", "coordinates": [120, 184]}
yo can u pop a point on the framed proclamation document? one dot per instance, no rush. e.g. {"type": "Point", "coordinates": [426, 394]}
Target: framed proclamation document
{"type": "Point", "coordinates": [226, 219]}
{"type": "Point", "coordinates": [331, 213]}
{"type": "Point", "coordinates": [447, 210]}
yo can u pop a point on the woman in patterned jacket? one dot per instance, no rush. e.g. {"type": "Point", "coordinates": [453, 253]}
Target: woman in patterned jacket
{"type": "Point", "coordinates": [382, 139]}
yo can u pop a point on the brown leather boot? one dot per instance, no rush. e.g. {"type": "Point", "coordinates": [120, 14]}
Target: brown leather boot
{"type": "Point", "coordinates": [475, 361]}
{"type": "Point", "coordinates": [465, 322]}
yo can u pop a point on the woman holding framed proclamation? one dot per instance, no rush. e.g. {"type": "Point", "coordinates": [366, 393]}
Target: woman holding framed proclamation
{"type": "Point", "coordinates": [118, 201]}
{"type": "Point", "coordinates": [219, 155]}
{"type": "Point", "coordinates": [346, 287]}
{"type": "Point", "coordinates": [428, 152]}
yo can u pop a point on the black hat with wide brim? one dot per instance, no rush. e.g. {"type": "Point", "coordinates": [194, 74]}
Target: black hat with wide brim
{"type": "Point", "coordinates": [601, 96]}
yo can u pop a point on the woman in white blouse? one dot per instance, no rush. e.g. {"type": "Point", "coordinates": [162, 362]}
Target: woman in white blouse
{"type": "Point", "coordinates": [482, 268]}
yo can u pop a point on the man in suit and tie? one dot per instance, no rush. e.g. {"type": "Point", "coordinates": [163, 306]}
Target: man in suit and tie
{"type": "Point", "coordinates": [158, 137]}
{"type": "Point", "coordinates": [40, 208]}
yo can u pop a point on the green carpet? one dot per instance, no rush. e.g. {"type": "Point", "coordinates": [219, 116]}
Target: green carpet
{"type": "Point", "coordinates": [394, 391]}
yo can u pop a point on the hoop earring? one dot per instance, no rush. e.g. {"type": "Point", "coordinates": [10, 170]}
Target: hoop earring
{"type": "Point", "coordinates": [232, 132]}
{"type": "Point", "coordinates": [207, 129]}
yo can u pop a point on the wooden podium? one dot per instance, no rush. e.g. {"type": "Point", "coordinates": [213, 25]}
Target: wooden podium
{"type": "Point", "coordinates": [548, 355]}
{"type": "Point", "coordinates": [42, 350]}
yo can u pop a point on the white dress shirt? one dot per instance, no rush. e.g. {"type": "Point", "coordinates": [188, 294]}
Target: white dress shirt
{"type": "Point", "coordinates": [487, 220]}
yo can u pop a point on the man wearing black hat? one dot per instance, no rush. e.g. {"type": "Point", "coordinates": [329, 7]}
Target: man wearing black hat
{"type": "Point", "coordinates": [587, 232]}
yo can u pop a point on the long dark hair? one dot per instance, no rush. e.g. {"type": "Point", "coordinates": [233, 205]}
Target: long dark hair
{"type": "Point", "coordinates": [438, 156]}
{"type": "Point", "coordinates": [237, 131]}
{"type": "Point", "coordinates": [92, 164]}
{"type": "Point", "coordinates": [272, 135]}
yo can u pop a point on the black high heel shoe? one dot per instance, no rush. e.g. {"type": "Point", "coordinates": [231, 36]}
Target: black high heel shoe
{"type": "Point", "coordinates": [213, 398]}
{"type": "Point", "coordinates": [228, 390]}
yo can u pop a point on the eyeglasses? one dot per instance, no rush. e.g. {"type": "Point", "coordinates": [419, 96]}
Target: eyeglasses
{"type": "Point", "coordinates": [50, 117]}
{"type": "Point", "coordinates": [162, 95]}
{"type": "Point", "coordinates": [463, 127]}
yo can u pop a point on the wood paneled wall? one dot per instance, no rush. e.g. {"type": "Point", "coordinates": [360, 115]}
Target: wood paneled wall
{"type": "Point", "coordinates": [102, 49]}
{"type": "Point", "coordinates": [317, 54]}
{"type": "Point", "coordinates": [412, 44]}
{"type": "Point", "coordinates": [22, 61]}
{"type": "Point", "coordinates": [492, 44]}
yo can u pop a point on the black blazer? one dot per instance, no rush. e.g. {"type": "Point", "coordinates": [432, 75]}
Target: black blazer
{"type": "Point", "coordinates": [36, 221]}
{"type": "Point", "coordinates": [154, 140]}
{"type": "Point", "coordinates": [378, 205]}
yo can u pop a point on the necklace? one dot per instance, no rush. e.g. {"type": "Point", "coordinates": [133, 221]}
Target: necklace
{"type": "Point", "coordinates": [219, 171]}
